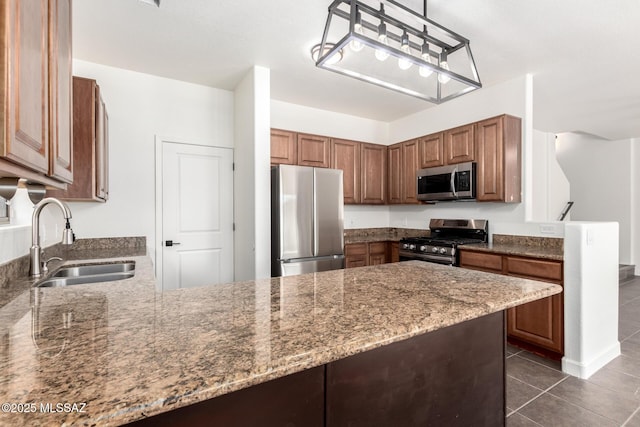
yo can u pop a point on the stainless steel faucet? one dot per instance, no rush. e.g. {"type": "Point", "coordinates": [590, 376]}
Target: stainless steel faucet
{"type": "Point", "coordinates": [37, 266]}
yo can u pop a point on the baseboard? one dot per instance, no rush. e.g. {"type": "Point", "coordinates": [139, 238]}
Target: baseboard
{"type": "Point", "coordinates": [585, 370]}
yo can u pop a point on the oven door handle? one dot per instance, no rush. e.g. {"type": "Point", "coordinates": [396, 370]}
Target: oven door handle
{"type": "Point", "coordinates": [412, 256]}
{"type": "Point", "coordinates": [453, 182]}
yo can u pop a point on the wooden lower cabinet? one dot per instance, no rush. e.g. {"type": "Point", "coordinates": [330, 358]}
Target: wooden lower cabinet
{"type": "Point", "coordinates": [538, 325]}
{"type": "Point", "coordinates": [453, 376]}
{"type": "Point", "coordinates": [372, 253]}
{"type": "Point", "coordinates": [393, 250]}
{"type": "Point", "coordinates": [356, 255]}
{"type": "Point", "coordinates": [377, 253]}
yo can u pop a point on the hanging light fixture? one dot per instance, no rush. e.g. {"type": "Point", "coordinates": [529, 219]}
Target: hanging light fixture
{"type": "Point", "coordinates": [377, 29]}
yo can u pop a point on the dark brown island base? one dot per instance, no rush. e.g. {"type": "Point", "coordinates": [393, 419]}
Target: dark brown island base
{"type": "Point", "coordinates": [453, 376]}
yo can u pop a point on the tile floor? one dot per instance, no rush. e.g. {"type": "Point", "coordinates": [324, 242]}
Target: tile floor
{"type": "Point", "coordinates": [539, 394]}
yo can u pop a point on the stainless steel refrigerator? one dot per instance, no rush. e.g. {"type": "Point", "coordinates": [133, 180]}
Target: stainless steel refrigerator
{"type": "Point", "coordinates": [307, 220]}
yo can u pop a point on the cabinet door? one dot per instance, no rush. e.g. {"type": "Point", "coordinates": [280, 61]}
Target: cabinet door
{"type": "Point", "coordinates": [393, 251]}
{"type": "Point", "coordinates": [432, 150]}
{"type": "Point", "coordinates": [410, 166]}
{"type": "Point", "coordinates": [499, 169]}
{"type": "Point", "coordinates": [101, 148]}
{"type": "Point", "coordinates": [25, 74]}
{"type": "Point", "coordinates": [490, 157]}
{"type": "Point", "coordinates": [356, 255]}
{"type": "Point", "coordinates": [284, 147]}
{"type": "Point", "coordinates": [377, 253]}
{"type": "Point", "coordinates": [481, 261]}
{"type": "Point", "coordinates": [394, 165]}
{"type": "Point", "coordinates": [345, 155]}
{"type": "Point", "coordinates": [539, 322]}
{"type": "Point", "coordinates": [90, 145]}
{"type": "Point", "coordinates": [459, 144]}
{"type": "Point", "coordinates": [61, 117]}
{"type": "Point", "coordinates": [314, 150]}
{"type": "Point", "coordinates": [374, 172]}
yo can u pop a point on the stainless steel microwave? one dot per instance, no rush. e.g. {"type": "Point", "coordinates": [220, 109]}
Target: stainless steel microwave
{"type": "Point", "coordinates": [451, 182]}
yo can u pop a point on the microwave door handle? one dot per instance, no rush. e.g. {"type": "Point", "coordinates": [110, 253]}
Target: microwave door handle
{"type": "Point", "coordinates": [453, 182]}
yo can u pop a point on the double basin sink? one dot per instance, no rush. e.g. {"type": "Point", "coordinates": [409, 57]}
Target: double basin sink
{"type": "Point", "coordinates": [89, 273]}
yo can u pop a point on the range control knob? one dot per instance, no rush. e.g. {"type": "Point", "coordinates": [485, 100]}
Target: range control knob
{"type": "Point", "coordinates": [434, 250]}
{"type": "Point", "coordinates": [405, 246]}
{"type": "Point", "coordinates": [443, 251]}
{"type": "Point", "coordinates": [412, 246]}
{"type": "Point", "coordinates": [423, 248]}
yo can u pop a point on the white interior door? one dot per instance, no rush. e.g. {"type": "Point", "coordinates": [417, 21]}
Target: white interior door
{"type": "Point", "coordinates": [197, 215]}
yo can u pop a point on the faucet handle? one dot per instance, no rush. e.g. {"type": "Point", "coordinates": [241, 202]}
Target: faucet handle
{"type": "Point", "coordinates": [44, 264]}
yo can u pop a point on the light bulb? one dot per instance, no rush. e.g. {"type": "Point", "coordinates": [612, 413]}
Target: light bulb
{"type": "Point", "coordinates": [425, 71]}
{"type": "Point", "coordinates": [381, 55]}
{"type": "Point", "coordinates": [403, 63]}
{"type": "Point", "coordinates": [355, 44]}
{"type": "Point", "coordinates": [441, 77]}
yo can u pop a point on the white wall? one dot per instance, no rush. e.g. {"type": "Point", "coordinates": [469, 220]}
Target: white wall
{"type": "Point", "coordinates": [252, 239]}
{"type": "Point", "coordinates": [140, 107]}
{"type": "Point", "coordinates": [635, 212]}
{"type": "Point", "coordinates": [550, 186]}
{"type": "Point", "coordinates": [321, 122]}
{"type": "Point", "coordinates": [511, 97]}
{"type": "Point", "coordinates": [601, 174]}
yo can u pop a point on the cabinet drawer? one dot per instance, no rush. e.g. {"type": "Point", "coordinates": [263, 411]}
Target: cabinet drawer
{"type": "Point", "coordinates": [535, 268]}
{"type": "Point", "coordinates": [481, 261]}
{"type": "Point", "coordinates": [355, 249]}
{"type": "Point", "coordinates": [376, 248]}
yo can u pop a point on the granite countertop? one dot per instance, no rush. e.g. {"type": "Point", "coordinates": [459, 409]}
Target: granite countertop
{"type": "Point", "coordinates": [366, 235]}
{"type": "Point", "coordinates": [129, 351]}
{"type": "Point", "coordinates": [528, 246]}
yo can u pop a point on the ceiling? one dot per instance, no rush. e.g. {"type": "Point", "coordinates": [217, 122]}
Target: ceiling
{"type": "Point", "coordinates": [583, 54]}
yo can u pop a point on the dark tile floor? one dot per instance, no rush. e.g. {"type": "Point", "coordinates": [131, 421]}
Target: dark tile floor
{"type": "Point", "coordinates": [539, 394]}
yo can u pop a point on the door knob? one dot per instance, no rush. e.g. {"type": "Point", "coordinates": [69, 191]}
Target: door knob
{"type": "Point", "coordinates": [170, 243]}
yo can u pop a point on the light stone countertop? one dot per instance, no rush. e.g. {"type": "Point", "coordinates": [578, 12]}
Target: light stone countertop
{"type": "Point", "coordinates": [545, 252]}
{"type": "Point", "coordinates": [129, 351]}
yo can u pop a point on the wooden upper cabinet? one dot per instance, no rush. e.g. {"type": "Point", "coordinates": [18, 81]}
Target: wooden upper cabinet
{"type": "Point", "coordinates": [459, 145]}
{"type": "Point", "coordinates": [346, 156]}
{"type": "Point", "coordinates": [25, 74]}
{"type": "Point", "coordinates": [410, 166]}
{"type": "Point", "coordinates": [394, 166]}
{"type": "Point", "coordinates": [35, 105]}
{"type": "Point", "coordinates": [284, 147]}
{"type": "Point", "coordinates": [498, 157]}
{"type": "Point", "coordinates": [314, 150]}
{"type": "Point", "coordinates": [374, 173]}
{"type": "Point", "coordinates": [432, 150]}
{"type": "Point", "coordinates": [403, 164]}
{"type": "Point", "coordinates": [90, 145]}
{"type": "Point", "coordinates": [61, 88]}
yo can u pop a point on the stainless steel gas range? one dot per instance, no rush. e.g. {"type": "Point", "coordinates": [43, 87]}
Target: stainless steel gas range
{"type": "Point", "coordinates": [446, 235]}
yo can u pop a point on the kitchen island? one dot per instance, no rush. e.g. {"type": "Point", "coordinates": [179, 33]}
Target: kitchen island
{"type": "Point", "coordinates": [122, 351]}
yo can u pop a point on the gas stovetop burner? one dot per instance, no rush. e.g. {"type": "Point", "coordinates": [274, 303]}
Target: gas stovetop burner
{"type": "Point", "coordinates": [446, 235]}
